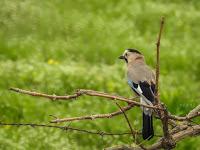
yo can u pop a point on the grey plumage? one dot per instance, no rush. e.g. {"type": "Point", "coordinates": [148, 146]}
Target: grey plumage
{"type": "Point", "coordinates": [142, 81]}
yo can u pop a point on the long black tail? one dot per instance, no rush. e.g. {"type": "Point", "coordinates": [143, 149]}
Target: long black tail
{"type": "Point", "coordinates": [147, 130]}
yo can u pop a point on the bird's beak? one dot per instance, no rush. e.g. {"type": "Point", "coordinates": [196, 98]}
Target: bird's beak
{"type": "Point", "coordinates": [121, 57]}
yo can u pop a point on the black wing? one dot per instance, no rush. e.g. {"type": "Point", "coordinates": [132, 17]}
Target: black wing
{"type": "Point", "coordinates": [148, 90]}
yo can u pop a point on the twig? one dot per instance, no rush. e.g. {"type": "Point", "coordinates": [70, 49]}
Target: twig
{"type": "Point", "coordinates": [186, 118]}
{"type": "Point", "coordinates": [192, 114]}
{"type": "Point", "coordinates": [82, 92]}
{"type": "Point", "coordinates": [194, 111]}
{"type": "Point", "coordinates": [64, 128]}
{"type": "Point", "coordinates": [92, 117]}
{"type": "Point", "coordinates": [37, 94]}
{"type": "Point", "coordinates": [127, 120]}
{"type": "Point", "coordinates": [158, 60]}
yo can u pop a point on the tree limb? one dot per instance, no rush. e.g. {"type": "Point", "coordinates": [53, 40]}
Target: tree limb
{"type": "Point", "coordinates": [127, 120]}
{"type": "Point", "coordinates": [101, 133]}
{"type": "Point", "coordinates": [82, 92]}
{"type": "Point", "coordinates": [92, 117]}
{"type": "Point", "coordinates": [190, 131]}
{"type": "Point", "coordinates": [158, 60]}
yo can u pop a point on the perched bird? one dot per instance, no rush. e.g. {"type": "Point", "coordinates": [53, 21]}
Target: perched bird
{"type": "Point", "coordinates": [141, 79]}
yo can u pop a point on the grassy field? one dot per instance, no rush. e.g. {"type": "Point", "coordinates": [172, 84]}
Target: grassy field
{"type": "Point", "coordinates": [58, 46]}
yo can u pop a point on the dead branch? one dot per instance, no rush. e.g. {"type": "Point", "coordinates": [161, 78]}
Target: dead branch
{"type": "Point", "coordinates": [175, 132]}
{"type": "Point", "coordinates": [101, 133]}
{"type": "Point", "coordinates": [192, 114]}
{"type": "Point", "coordinates": [158, 60]}
{"type": "Point", "coordinates": [167, 141]}
{"type": "Point", "coordinates": [189, 131]}
{"type": "Point", "coordinates": [92, 117]}
{"type": "Point", "coordinates": [185, 132]}
{"type": "Point", "coordinates": [180, 131]}
{"type": "Point", "coordinates": [82, 92]}
{"type": "Point", "coordinates": [127, 120]}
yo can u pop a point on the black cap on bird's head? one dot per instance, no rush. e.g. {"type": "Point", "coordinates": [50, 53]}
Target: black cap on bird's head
{"type": "Point", "coordinates": [129, 50]}
{"type": "Point", "coordinates": [133, 50]}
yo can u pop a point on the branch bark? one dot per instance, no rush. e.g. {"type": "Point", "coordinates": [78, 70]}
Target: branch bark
{"type": "Point", "coordinates": [158, 60]}
{"type": "Point", "coordinates": [66, 128]}
{"type": "Point", "coordinates": [82, 92]}
{"type": "Point", "coordinates": [92, 117]}
{"type": "Point", "coordinates": [190, 131]}
{"type": "Point", "coordinates": [127, 120]}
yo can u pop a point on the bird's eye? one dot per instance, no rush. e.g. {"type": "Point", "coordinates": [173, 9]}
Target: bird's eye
{"type": "Point", "coordinates": [126, 54]}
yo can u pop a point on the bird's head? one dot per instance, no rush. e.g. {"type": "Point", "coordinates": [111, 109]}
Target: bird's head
{"type": "Point", "coordinates": [131, 55]}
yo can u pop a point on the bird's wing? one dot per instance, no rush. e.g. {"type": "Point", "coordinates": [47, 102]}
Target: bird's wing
{"type": "Point", "coordinates": [148, 90]}
{"type": "Point", "coordinates": [143, 89]}
{"type": "Point", "coordinates": [142, 81]}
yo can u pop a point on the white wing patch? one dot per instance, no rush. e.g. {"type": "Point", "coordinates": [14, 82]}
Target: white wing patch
{"type": "Point", "coordinates": [143, 99]}
{"type": "Point", "coordinates": [139, 89]}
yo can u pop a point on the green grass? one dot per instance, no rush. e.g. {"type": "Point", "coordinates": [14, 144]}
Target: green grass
{"type": "Point", "coordinates": [58, 46]}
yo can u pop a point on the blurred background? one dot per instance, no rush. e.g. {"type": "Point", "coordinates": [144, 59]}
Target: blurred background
{"type": "Point", "coordinates": [57, 46]}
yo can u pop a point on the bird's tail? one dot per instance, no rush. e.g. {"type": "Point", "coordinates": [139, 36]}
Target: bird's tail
{"type": "Point", "coordinates": [147, 130]}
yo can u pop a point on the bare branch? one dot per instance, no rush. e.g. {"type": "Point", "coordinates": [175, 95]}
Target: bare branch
{"type": "Point", "coordinates": [185, 132]}
{"type": "Point", "coordinates": [189, 131]}
{"type": "Point", "coordinates": [186, 118]}
{"type": "Point", "coordinates": [82, 92]}
{"type": "Point", "coordinates": [167, 141]}
{"type": "Point", "coordinates": [101, 133]}
{"type": "Point", "coordinates": [164, 120]}
{"type": "Point", "coordinates": [170, 118]}
{"type": "Point", "coordinates": [194, 111]}
{"type": "Point", "coordinates": [158, 60]}
{"type": "Point", "coordinates": [92, 117]}
{"type": "Point", "coordinates": [37, 94]}
{"type": "Point", "coordinates": [192, 114]}
{"type": "Point", "coordinates": [129, 124]}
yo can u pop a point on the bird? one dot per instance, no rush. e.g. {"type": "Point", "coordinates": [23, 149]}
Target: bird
{"type": "Point", "coordinates": [141, 79]}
